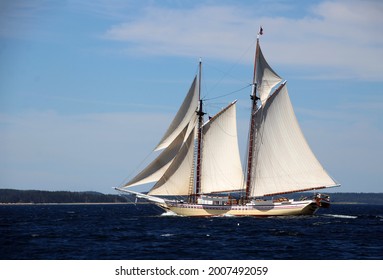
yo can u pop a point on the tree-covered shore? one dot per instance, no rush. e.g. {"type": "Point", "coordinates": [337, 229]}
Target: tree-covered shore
{"type": "Point", "coordinates": [38, 196]}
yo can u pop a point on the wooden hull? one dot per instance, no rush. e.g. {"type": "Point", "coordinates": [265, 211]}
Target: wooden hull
{"type": "Point", "coordinates": [307, 207]}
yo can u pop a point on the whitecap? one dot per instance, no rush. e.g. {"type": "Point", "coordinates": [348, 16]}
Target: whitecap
{"type": "Point", "coordinates": [167, 234]}
{"type": "Point", "coordinates": [341, 216]}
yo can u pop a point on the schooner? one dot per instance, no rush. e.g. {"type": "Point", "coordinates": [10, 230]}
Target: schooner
{"type": "Point", "coordinates": [200, 160]}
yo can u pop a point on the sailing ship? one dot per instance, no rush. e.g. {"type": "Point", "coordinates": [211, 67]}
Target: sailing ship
{"type": "Point", "coordinates": [200, 160]}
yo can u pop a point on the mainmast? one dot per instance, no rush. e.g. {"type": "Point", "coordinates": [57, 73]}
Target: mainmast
{"type": "Point", "coordinates": [200, 115]}
{"type": "Point", "coordinates": [254, 99]}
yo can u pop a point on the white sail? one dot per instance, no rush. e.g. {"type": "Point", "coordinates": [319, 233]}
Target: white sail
{"type": "Point", "coordinates": [156, 169]}
{"type": "Point", "coordinates": [265, 76]}
{"type": "Point", "coordinates": [183, 117]}
{"type": "Point", "coordinates": [176, 179]}
{"type": "Point", "coordinates": [283, 161]}
{"type": "Point", "coordinates": [221, 164]}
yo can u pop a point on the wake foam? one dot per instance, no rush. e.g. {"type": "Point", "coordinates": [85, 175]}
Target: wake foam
{"type": "Point", "coordinates": [169, 213]}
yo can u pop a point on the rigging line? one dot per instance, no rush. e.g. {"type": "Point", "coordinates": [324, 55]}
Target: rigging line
{"type": "Point", "coordinates": [227, 94]}
{"type": "Point", "coordinates": [226, 73]}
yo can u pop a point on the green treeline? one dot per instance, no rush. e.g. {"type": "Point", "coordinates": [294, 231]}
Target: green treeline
{"type": "Point", "coordinates": [36, 196]}
{"type": "Point", "coordinates": [342, 198]}
{"type": "Point", "coordinates": [366, 198]}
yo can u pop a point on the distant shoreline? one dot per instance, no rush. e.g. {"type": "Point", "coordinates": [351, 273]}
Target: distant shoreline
{"type": "Point", "coordinates": [73, 203]}
{"type": "Point", "coordinates": [38, 197]}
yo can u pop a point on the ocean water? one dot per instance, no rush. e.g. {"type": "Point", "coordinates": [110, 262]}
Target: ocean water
{"type": "Point", "coordinates": [126, 231]}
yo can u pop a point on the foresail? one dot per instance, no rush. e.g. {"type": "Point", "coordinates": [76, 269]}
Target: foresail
{"type": "Point", "coordinates": [183, 117]}
{"type": "Point", "coordinates": [176, 179]}
{"type": "Point", "coordinates": [156, 169]}
{"type": "Point", "coordinates": [283, 161]}
{"type": "Point", "coordinates": [221, 164]}
{"type": "Point", "coordinates": [265, 77]}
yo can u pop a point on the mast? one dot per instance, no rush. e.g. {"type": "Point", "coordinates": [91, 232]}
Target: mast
{"type": "Point", "coordinates": [254, 99]}
{"type": "Point", "coordinates": [200, 115]}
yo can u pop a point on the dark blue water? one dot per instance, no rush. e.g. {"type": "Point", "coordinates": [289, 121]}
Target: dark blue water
{"type": "Point", "coordinates": [140, 232]}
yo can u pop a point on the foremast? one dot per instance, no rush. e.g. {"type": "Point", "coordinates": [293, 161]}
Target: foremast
{"type": "Point", "coordinates": [200, 114]}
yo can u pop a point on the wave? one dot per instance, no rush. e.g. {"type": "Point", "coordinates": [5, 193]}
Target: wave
{"type": "Point", "coordinates": [167, 234]}
{"type": "Point", "coordinates": [341, 216]}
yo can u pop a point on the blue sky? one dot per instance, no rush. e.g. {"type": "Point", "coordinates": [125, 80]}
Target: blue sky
{"type": "Point", "coordinates": [88, 87]}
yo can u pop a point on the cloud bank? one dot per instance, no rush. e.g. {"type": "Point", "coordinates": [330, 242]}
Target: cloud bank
{"type": "Point", "coordinates": [341, 38]}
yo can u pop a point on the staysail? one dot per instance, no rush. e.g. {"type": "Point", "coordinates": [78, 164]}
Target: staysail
{"type": "Point", "coordinates": [183, 117]}
{"type": "Point", "coordinates": [283, 160]}
{"type": "Point", "coordinates": [176, 179]}
{"type": "Point", "coordinates": [156, 169]}
{"type": "Point", "coordinates": [179, 130]}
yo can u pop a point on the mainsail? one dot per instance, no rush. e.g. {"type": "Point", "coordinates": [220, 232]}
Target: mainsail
{"type": "Point", "coordinates": [282, 161]}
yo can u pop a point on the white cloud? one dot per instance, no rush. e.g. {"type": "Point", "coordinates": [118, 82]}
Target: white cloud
{"type": "Point", "coordinates": [183, 32]}
{"type": "Point", "coordinates": [342, 38]}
